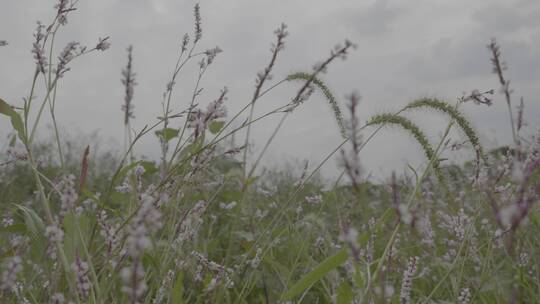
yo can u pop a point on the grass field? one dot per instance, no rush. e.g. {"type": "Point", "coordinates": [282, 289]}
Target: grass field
{"type": "Point", "coordinates": [204, 224]}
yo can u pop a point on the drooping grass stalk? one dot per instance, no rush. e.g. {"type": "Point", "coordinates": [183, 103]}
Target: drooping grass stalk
{"type": "Point", "coordinates": [275, 221]}
{"type": "Point", "coordinates": [303, 94]}
{"type": "Point", "coordinates": [432, 161]}
{"type": "Point", "coordinates": [453, 113]}
{"type": "Point", "coordinates": [327, 94]}
{"type": "Point", "coordinates": [413, 129]}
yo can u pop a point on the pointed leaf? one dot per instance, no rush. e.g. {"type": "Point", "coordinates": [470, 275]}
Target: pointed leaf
{"type": "Point", "coordinates": [215, 126]}
{"type": "Point", "coordinates": [16, 120]}
{"type": "Point", "coordinates": [167, 133]}
{"type": "Point", "coordinates": [316, 274]}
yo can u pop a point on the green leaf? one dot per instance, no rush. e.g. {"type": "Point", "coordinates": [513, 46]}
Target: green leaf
{"type": "Point", "coordinates": [215, 126]}
{"type": "Point", "coordinates": [32, 221]}
{"type": "Point", "coordinates": [150, 262]}
{"type": "Point", "coordinates": [345, 294]}
{"type": "Point", "coordinates": [13, 140]}
{"type": "Point", "coordinates": [16, 120]}
{"type": "Point", "coordinates": [177, 293]}
{"type": "Point", "coordinates": [73, 242]}
{"type": "Point", "coordinates": [167, 133]}
{"type": "Point", "coordinates": [316, 274]}
{"type": "Point", "coordinates": [15, 228]}
{"type": "Point", "coordinates": [149, 167]}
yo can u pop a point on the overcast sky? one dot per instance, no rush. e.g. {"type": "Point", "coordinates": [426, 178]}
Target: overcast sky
{"type": "Point", "coordinates": [406, 50]}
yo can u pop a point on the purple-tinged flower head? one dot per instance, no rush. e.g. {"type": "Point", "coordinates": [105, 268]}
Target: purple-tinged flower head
{"type": "Point", "coordinates": [128, 80]}
{"type": "Point", "coordinates": [38, 48]}
{"type": "Point", "coordinates": [125, 188]}
{"type": "Point", "coordinates": [222, 273]}
{"type": "Point", "coordinates": [524, 259]}
{"type": "Point", "coordinates": [406, 283]}
{"type": "Point", "coordinates": [103, 44]}
{"type": "Point", "coordinates": [199, 120]}
{"type": "Point", "coordinates": [265, 75]}
{"type": "Point", "coordinates": [257, 259]}
{"type": "Point", "coordinates": [3, 43]}
{"type": "Point", "coordinates": [185, 42]}
{"type": "Point", "coordinates": [7, 221]}
{"type": "Point", "coordinates": [188, 228]}
{"type": "Point", "coordinates": [314, 199]}
{"type": "Point", "coordinates": [68, 53]}
{"type": "Point", "coordinates": [228, 206]}
{"type": "Point", "coordinates": [55, 235]}
{"type": "Point", "coordinates": [134, 285]}
{"type": "Point", "coordinates": [211, 54]}
{"type": "Point", "coordinates": [521, 108]}
{"type": "Point", "coordinates": [58, 298]}
{"type": "Point", "coordinates": [138, 171]}
{"type": "Point", "coordinates": [198, 28]}
{"type": "Point", "coordinates": [146, 221]}
{"type": "Point", "coordinates": [464, 296]}
{"type": "Point", "coordinates": [63, 7]}
{"type": "Point", "coordinates": [68, 194]}
{"type": "Point", "coordinates": [16, 154]}
{"type": "Point", "coordinates": [478, 97]}
{"type": "Point", "coordinates": [426, 230]}
{"type": "Point", "coordinates": [281, 33]}
{"type": "Point", "coordinates": [81, 271]}
{"type": "Point", "coordinates": [216, 109]}
{"type": "Point", "coordinates": [9, 275]}
{"type": "Point", "coordinates": [108, 231]}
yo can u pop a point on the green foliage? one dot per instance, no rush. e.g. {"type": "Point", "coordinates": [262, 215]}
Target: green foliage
{"type": "Point", "coordinates": [316, 274]}
{"type": "Point", "coordinates": [196, 228]}
{"type": "Point", "coordinates": [16, 120]}
{"type": "Point", "coordinates": [167, 134]}
{"type": "Point", "coordinates": [216, 126]}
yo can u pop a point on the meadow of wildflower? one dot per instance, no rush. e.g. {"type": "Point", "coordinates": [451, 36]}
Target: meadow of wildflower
{"type": "Point", "coordinates": [202, 224]}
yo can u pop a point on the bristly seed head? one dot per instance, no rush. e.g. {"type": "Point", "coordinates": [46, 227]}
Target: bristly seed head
{"type": "Point", "coordinates": [128, 80]}
{"type": "Point", "coordinates": [198, 29]}
{"type": "Point", "coordinates": [103, 44]}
